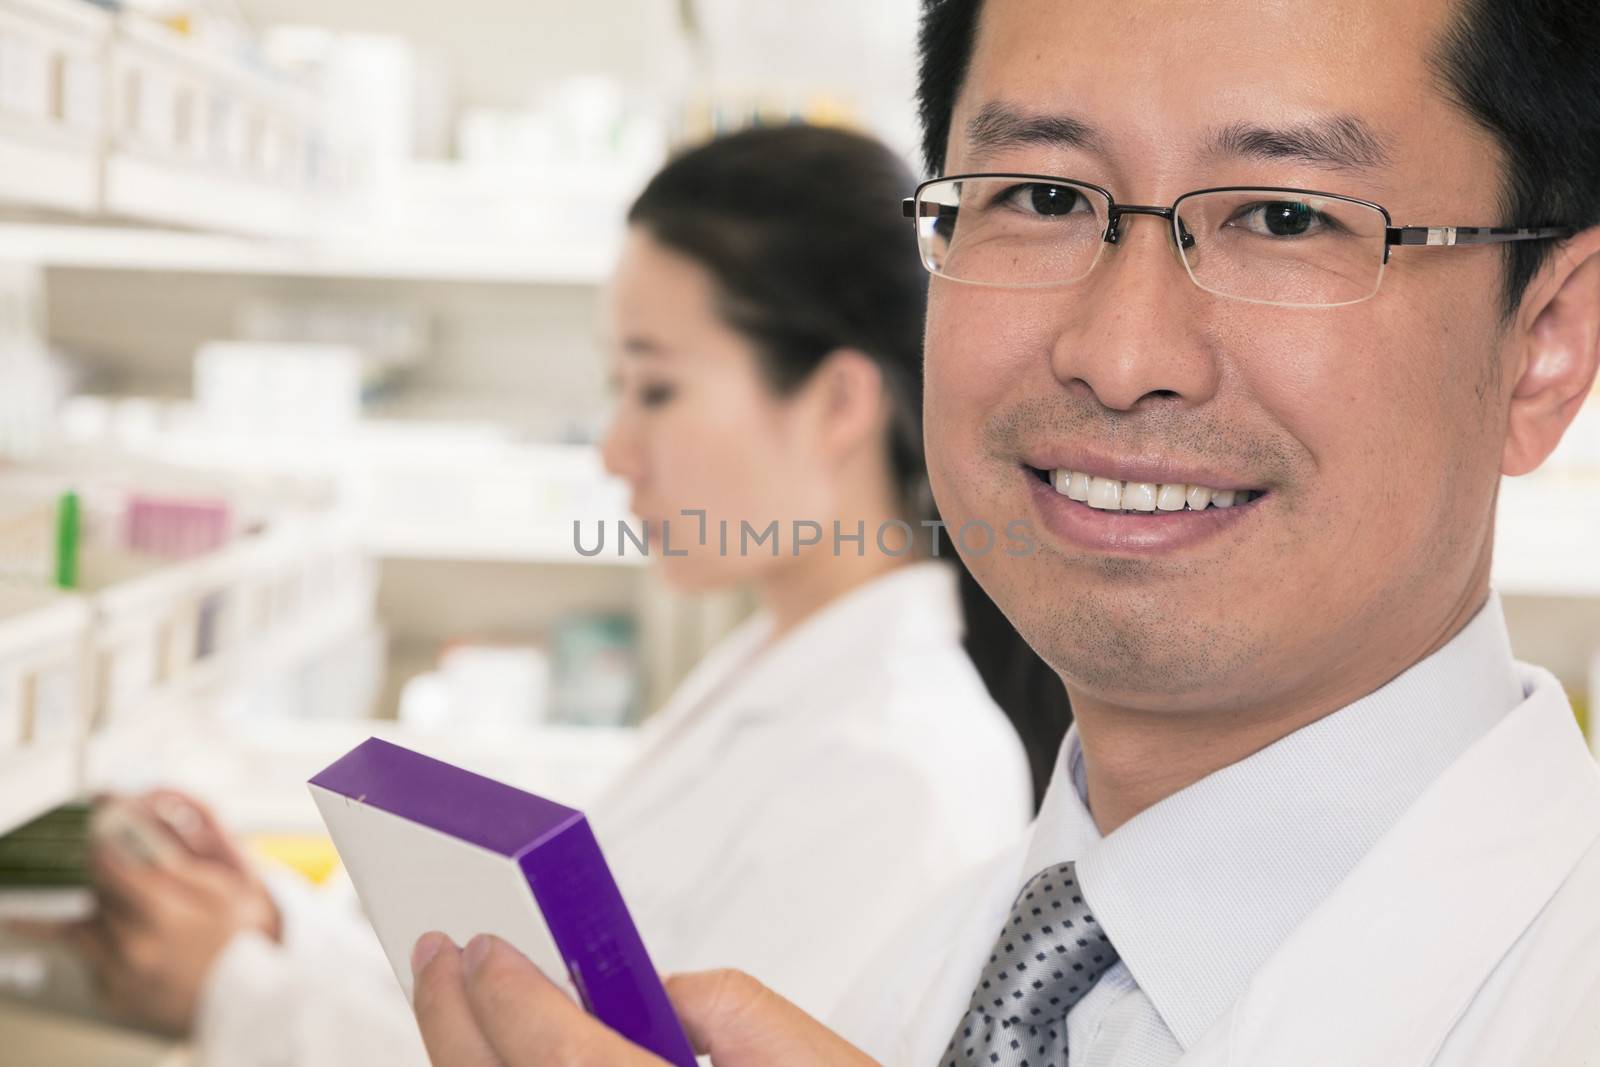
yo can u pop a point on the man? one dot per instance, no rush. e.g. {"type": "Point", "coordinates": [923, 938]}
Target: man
{"type": "Point", "coordinates": [1311, 812]}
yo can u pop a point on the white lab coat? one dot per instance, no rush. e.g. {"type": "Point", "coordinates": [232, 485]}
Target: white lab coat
{"type": "Point", "coordinates": [1468, 937]}
{"type": "Point", "coordinates": [793, 803]}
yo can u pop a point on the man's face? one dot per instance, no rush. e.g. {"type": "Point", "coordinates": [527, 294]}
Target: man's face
{"type": "Point", "coordinates": [1372, 432]}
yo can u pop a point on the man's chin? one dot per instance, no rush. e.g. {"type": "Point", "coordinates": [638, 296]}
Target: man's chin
{"type": "Point", "coordinates": [1143, 651]}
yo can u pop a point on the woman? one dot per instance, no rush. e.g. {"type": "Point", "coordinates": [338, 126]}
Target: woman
{"type": "Point", "coordinates": [821, 769]}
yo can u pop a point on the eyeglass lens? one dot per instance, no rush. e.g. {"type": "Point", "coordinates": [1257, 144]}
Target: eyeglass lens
{"type": "Point", "coordinates": [1263, 245]}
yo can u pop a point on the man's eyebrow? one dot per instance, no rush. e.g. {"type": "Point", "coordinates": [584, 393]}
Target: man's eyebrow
{"type": "Point", "coordinates": [998, 126]}
{"type": "Point", "coordinates": [1342, 143]}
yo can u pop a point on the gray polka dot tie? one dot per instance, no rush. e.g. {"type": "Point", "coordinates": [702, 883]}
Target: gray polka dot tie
{"type": "Point", "coordinates": [1050, 953]}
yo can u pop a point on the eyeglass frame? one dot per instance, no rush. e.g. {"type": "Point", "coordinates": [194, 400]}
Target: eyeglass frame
{"type": "Point", "coordinates": [1413, 236]}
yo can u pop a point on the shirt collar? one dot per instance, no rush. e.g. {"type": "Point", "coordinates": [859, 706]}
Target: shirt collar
{"type": "Point", "coordinates": [1197, 891]}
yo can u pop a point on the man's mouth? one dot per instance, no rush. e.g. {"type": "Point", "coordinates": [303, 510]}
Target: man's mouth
{"type": "Point", "coordinates": [1110, 494]}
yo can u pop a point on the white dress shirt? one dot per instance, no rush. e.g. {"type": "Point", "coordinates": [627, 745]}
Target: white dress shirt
{"type": "Point", "coordinates": [793, 802]}
{"type": "Point", "coordinates": [1200, 890]}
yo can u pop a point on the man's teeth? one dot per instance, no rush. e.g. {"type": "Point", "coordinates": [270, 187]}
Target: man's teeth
{"type": "Point", "coordinates": [1107, 494]}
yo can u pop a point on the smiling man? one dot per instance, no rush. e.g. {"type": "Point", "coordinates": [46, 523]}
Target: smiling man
{"type": "Point", "coordinates": [1247, 306]}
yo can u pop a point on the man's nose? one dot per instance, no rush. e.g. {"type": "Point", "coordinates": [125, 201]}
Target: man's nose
{"type": "Point", "coordinates": [1133, 332]}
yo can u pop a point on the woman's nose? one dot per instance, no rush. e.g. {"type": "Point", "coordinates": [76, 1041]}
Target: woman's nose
{"type": "Point", "coordinates": [619, 448]}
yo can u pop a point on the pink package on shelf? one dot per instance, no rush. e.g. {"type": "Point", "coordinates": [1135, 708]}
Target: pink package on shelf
{"type": "Point", "coordinates": [176, 529]}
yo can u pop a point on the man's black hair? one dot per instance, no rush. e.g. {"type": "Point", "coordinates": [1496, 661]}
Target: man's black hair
{"type": "Point", "coordinates": [1527, 71]}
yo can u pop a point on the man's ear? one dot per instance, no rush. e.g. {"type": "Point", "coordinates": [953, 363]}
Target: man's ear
{"type": "Point", "coordinates": [1558, 342]}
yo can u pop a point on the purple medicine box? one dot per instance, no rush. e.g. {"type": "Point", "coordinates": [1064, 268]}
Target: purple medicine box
{"type": "Point", "coordinates": [433, 847]}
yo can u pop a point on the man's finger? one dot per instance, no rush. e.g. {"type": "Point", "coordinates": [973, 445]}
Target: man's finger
{"type": "Point", "coordinates": [439, 998]}
{"type": "Point", "coordinates": [529, 1021]}
{"type": "Point", "coordinates": [739, 1022]}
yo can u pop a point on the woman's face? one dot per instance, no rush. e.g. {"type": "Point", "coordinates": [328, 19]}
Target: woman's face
{"type": "Point", "coordinates": [697, 428]}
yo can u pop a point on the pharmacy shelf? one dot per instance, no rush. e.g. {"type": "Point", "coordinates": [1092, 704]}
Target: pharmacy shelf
{"type": "Point", "coordinates": [51, 103]}
{"type": "Point", "coordinates": [46, 170]}
{"type": "Point", "coordinates": [35, 779]}
{"type": "Point", "coordinates": [430, 491]}
{"type": "Point", "coordinates": [256, 770]}
{"type": "Point", "coordinates": [371, 256]}
{"type": "Point", "coordinates": [163, 192]}
{"type": "Point", "coordinates": [47, 1039]}
{"type": "Point", "coordinates": [42, 644]}
{"type": "Point", "coordinates": [1547, 542]}
{"type": "Point", "coordinates": [548, 548]}
{"type": "Point", "coordinates": [172, 709]}
{"type": "Point", "coordinates": [90, 679]}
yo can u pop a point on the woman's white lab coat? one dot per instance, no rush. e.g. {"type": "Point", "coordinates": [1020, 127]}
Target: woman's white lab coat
{"type": "Point", "coordinates": [792, 804]}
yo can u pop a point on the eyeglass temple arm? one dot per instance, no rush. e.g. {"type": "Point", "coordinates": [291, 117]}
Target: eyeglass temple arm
{"type": "Point", "coordinates": [1472, 235]}
{"type": "Point", "coordinates": [908, 207]}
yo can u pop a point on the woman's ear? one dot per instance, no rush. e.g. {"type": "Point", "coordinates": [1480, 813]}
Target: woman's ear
{"type": "Point", "coordinates": [1557, 351]}
{"type": "Point", "coordinates": [848, 397]}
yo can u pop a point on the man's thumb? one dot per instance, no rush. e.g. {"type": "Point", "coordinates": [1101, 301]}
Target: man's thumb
{"type": "Point", "coordinates": [739, 1022]}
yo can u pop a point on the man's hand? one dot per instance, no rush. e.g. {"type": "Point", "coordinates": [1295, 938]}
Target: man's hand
{"type": "Point", "coordinates": [490, 1007]}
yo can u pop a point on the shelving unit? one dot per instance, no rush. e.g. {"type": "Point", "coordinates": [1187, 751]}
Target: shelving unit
{"type": "Point", "coordinates": [43, 713]}
{"type": "Point", "coordinates": [280, 602]}
{"type": "Point", "coordinates": [355, 256]}
{"type": "Point", "coordinates": [1548, 537]}
{"type": "Point", "coordinates": [45, 1039]}
{"type": "Point", "coordinates": [257, 769]}
{"type": "Point", "coordinates": [51, 113]}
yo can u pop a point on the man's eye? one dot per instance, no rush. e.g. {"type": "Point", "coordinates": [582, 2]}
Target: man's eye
{"type": "Point", "coordinates": [1283, 218]}
{"type": "Point", "coordinates": [1046, 200]}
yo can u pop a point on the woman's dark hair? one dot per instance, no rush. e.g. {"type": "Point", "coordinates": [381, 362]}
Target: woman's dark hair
{"type": "Point", "coordinates": [800, 228]}
{"type": "Point", "coordinates": [1526, 71]}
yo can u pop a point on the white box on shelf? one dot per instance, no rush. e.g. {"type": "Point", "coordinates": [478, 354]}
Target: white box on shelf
{"type": "Point", "coordinates": [505, 501]}
{"type": "Point", "coordinates": [140, 615]}
{"type": "Point", "coordinates": [43, 699]}
{"type": "Point", "coordinates": [51, 92]}
{"type": "Point", "coordinates": [274, 387]}
{"type": "Point", "coordinates": [200, 139]}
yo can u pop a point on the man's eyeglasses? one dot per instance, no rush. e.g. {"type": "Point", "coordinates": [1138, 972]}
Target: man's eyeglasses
{"type": "Point", "coordinates": [1290, 247]}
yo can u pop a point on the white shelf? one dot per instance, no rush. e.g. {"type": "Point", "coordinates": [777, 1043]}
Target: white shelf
{"type": "Point", "coordinates": [371, 256]}
{"type": "Point", "coordinates": [46, 1039]}
{"type": "Point", "coordinates": [488, 547]}
{"type": "Point", "coordinates": [42, 635]}
{"type": "Point", "coordinates": [172, 708]}
{"type": "Point", "coordinates": [46, 170]}
{"type": "Point", "coordinates": [189, 196]}
{"type": "Point", "coordinates": [256, 771]}
{"type": "Point", "coordinates": [35, 779]}
{"type": "Point", "coordinates": [432, 491]}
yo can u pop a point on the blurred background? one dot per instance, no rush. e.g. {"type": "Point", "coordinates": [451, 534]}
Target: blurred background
{"type": "Point", "coordinates": [300, 379]}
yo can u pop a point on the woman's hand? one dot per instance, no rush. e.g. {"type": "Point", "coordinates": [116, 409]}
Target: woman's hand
{"type": "Point", "coordinates": [490, 1007]}
{"type": "Point", "coordinates": [161, 925]}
